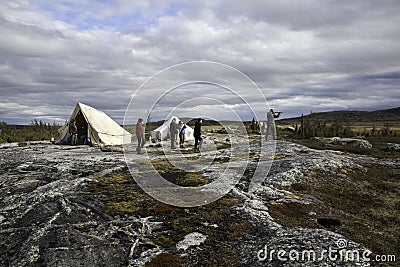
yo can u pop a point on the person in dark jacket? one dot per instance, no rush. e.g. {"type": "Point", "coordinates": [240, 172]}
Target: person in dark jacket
{"type": "Point", "coordinates": [84, 136]}
{"type": "Point", "coordinates": [139, 135]}
{"type": "Point", "coordinates": [182, 132]}
{"type": "Point", "coordinates": [197, 135]}
{"type": "Point", "coordinates": [73, 132]}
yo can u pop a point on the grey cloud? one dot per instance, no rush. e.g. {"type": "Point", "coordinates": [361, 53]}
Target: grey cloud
{"type": "Point", "coordinates": [30, 41]}
{"type": "Point", "coordinates": [304, 55]}
{"type": "Point", "coordinates": [308, 14]}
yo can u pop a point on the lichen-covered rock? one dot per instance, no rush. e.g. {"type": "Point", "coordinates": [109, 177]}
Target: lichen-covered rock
{"type": "Point", "coordinates": [192, 239]}
{"type": "Point", "coordinates": [49, 217]}
{"type": "Point", "coordinates": [302, 247]}
{"type": "Point", "coordinates": [392, 147]}
{"type": "Point", "coordinates": [361, 143]}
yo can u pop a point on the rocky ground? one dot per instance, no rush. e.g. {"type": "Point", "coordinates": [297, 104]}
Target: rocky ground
{"type": "Point", "coordinates": [79, 206]}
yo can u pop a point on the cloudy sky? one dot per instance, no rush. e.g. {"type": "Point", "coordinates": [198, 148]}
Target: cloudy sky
{"type": "Point", "coordinates": [308, 55]}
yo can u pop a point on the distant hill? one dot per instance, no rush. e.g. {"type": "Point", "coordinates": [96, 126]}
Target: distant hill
{"type": "Point", "coordinates": [205, 122]}
{"type": "Point", "coordinates": [191, 122]}
{"type": "Point", "coordinates": [392, 114]}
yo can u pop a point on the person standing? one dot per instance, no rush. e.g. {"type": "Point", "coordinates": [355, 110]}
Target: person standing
{"type": "Point", "coordinates": [173, 131]}
{"type": "Point", "coordinates": [140, 135]}
{"type": "Point", "coordinates": [197, 135]}
{"type": "Point", "coordinates": [180, 125]}
{"type": "Point", "coordinates": [271, 130]}
{"type": "Point", "coordinates": [73, 132]}
{"type": "Point", "coordinates": [84, 135]}
{"type": "Point", "coordinates": [182, 133]}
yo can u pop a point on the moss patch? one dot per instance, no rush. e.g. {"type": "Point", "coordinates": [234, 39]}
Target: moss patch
{"type": "Point", "coordinates": [222, 159]}
{"type": "Point", "coordinates": [162, 208]}
{"type": "Point", "coordinates": [254, 156]}
{"type": "Point", "coordinates": [119, 194]}
{"type": "Point", "coordinates": [164, 240]}
{"type": "Point", "coordinates": [155, 152]}
{"type": "Point", "coordinates": [177, 176]}
{"type": "Point", "coordinates": [296, 214]}
{"type": "Point", "coordinates": [216, 253]}
{"type": "Point", "coordinates": [279, 156]}
{"type": "Point", "coordinates": [239, 229]}
{"type": "Point", "coordinates": [223, 145]}
{"type": "Point", "coordinates": [121, 208]}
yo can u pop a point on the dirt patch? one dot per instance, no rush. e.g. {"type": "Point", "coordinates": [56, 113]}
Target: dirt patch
{"type": "Point", "coordinates": [164, 260]}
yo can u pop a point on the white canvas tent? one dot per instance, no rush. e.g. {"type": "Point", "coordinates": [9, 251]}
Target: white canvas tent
{"type": "Point", "coordinates": [162, 132]}
{"type": "Point", "coordinates": [101, 129]}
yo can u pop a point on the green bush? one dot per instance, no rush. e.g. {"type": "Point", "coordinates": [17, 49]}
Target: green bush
{"type": "Point", "coordinates": [308, 129]}
{"type": "Point", "coordinates": [36, 131]}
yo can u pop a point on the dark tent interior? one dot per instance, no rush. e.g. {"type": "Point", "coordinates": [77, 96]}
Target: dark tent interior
{"type": "Point", "coordinates": [81, 124]}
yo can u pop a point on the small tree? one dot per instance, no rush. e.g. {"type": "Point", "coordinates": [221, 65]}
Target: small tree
{"type": "Point", "coordinates": [253, 125]}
